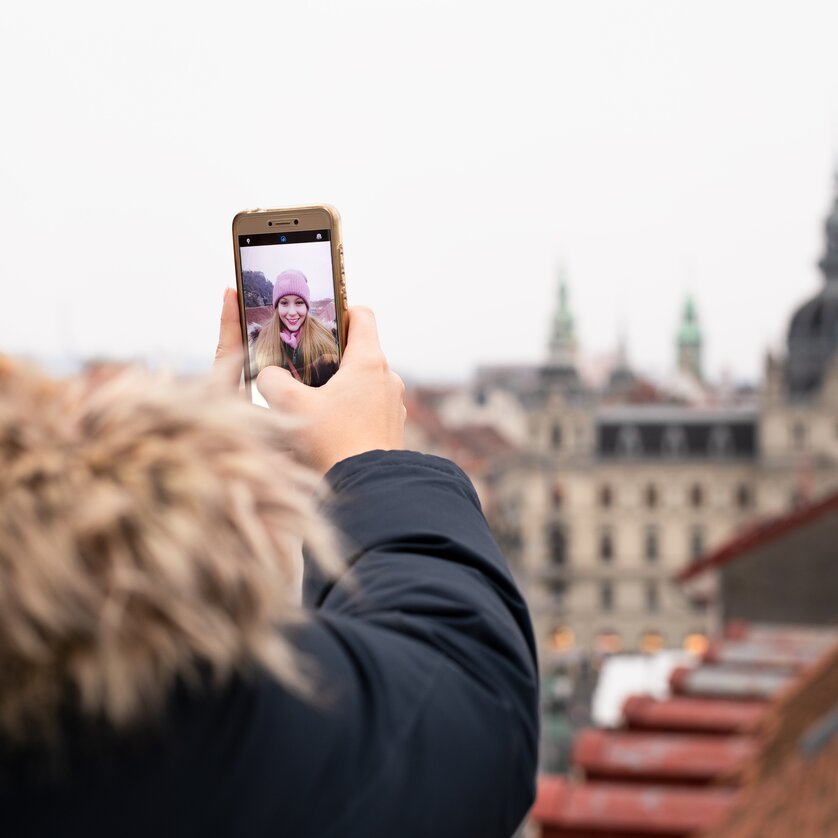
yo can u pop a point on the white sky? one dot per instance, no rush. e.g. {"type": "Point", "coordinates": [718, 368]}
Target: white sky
{"type": "Point", "coordinates": [471, 148]}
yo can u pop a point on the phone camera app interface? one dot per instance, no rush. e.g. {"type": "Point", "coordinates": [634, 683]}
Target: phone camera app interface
{"type": "Point", "coordinates": [289, 304]}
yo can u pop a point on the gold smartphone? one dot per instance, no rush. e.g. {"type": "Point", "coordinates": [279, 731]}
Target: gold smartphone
{"type": "Point", "coordinates": [292, 292]}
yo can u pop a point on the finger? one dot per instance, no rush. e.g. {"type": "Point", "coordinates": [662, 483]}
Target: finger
{"type": "Point", "coordinates": [280, 389]}
{"type": "Point", "coordinates": [362, 339]}
{"type": "Point", "coordinates": [228, 354]}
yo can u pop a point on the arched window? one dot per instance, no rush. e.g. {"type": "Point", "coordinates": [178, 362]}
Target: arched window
{"type": "Point", "coordinates": [651, 641]}
{"type": "Point", "coordinates": [744, 498]}
{"type": "Point", "coordinates": [651, 545]}
{"type": "Point", "coordinates": [562, 638]}
{"type": "Point", "coordinates": [696, 543]}
{"type": "Point", "coordinates": [652, 597]}
{"type": "Point", "coordinates": [606, 546]}
{"type": "Point", "coordinates": [798, 435]}
{"type": "Point", "coordinates": [696, 643]}
{"type": "Point", "coordinates": [557, 544]}
{"type": "Point", "coordinates": [606, 596]}
{"type": "Point", "coordinates": [608, 642]}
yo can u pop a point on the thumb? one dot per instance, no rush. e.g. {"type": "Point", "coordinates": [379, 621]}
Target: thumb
{"type": "Point", "coordinates": [228, 355]}
{"type": "Point", "coordinates": [280, 389]}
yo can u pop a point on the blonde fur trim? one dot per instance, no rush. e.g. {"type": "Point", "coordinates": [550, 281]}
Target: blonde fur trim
{"type": "Point", "coordinates": [148, 527]}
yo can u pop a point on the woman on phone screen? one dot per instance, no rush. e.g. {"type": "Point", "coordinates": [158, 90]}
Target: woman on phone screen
{"type": "Point", "coordinates": [293, 338]}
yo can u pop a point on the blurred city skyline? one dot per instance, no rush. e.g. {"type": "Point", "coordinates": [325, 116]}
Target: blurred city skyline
{"type": "Point", "coordinates": [652, 150]}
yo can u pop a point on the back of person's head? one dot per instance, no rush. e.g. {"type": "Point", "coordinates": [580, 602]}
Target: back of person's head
{"type": "Point", "coordinates": [149, 531]}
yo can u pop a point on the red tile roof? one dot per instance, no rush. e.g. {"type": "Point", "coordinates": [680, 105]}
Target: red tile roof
{"type": "Point", "coordinates": [791, 783]}
{"type": "Point", "coordinates": [720, 681]}
{"type": "Point", "coordinates": [673, 744]}
{"type": "Point", "coordinates": [705, 715]}
{"type": "Point", "coordinates": [615, 810]}
{"type": "Point", "coordinates": [660, 757]}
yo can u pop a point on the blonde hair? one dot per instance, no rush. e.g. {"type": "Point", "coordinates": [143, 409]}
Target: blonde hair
{"type": "Point", "coordinates": [149, 531]}
{"type": "Point", "coordinates": [316, 343]}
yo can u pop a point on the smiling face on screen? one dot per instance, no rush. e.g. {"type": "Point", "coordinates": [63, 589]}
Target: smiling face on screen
{"type": "Point", "coordinates": [292, 311]}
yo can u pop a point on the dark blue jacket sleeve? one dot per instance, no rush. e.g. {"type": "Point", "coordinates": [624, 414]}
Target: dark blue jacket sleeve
{"type": "Point", "coordinates": [426, 656]}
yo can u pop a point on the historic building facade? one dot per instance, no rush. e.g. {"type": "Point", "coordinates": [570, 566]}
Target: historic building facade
{"type": "Point", "coordinates": [615, 490]}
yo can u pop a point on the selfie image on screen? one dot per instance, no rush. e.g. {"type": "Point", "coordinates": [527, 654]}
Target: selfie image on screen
{"type": "Point", "coordinates": [290, 304]}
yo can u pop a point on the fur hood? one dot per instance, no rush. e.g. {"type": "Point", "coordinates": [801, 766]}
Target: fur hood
{"type": "Point", "coordinates": [149, 530]}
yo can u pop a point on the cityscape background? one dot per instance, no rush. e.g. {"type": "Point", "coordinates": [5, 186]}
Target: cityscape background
{"type": "Point", "coordinates": [601, 240]}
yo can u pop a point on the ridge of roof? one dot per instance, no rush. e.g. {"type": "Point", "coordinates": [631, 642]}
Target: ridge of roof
{"type": "Point", "coordinates": [761, 533]}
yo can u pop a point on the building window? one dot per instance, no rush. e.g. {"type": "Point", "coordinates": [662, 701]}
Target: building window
{"type": "Point", "coordinates": [557, 589]}
{"type": "Point", "coordinates": [696, 543]}
{"type": "Point", "coordinates": [652, 597]}
{"type": "Point", "coordinates": [696, 643]}
{"type": "Point", "coordinates": [557, 496]}
{"type": "Point", "coordinates": [651, 496]}
{"type": "Point", "coordinates": [606, 596]}
{"type": "Point", "coordinates": [557, 544]}
{"type": "Point", "coordinates": [606, 496]}
{"type": "Point", "coordinates": [651, 641]}
{"type": "Point", "coordinates": [579, 432]}
{"type": "Point", "coordinates": [562, 638]}
{"type": "Point", "coordinates": [651, 546]}
{"type": "Point", "coordinates": [696, 496]}
{"type": "Point", "coordinates": [629, 443]}
{"type": "Point", "coordinates": [798, 436]}
{"type": "Point", "coordinates": [674, 441]}
{"type": "Point", "coordinates": [744, 498]}
{"type": "Point", "coordinates": [721, 441]}
{"type": "Point", "coordinates": [606, 546]}
{"type": "Point", "coordinates": [556, 437]}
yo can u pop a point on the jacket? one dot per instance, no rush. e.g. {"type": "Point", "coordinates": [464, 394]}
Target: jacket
{"type": "Point", "coordinates": [425, 717]}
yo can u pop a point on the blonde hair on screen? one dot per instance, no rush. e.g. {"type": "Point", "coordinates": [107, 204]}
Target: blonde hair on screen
{"type": "Point", "coordinates": [317, 343]}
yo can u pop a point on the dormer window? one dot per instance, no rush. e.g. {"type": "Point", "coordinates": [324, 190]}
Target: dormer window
{"type": "Point", "coordinates": [629, 443]}
{"type": "Point", "coordinates": [674, 441]}
{"type": "Point", "coordinates": [720, 443]}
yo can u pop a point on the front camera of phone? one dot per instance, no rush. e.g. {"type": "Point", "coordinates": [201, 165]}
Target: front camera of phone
{"type": "Point", "coordinates": [270, 224]}
{"type": "Point", "coordinates": [296, 220]}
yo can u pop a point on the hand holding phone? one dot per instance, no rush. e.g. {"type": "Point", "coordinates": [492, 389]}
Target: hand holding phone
{"type": "Point", "coordinates": [361, 409]}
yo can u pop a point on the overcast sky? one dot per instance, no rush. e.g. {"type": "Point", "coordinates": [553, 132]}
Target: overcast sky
{"type": "Point", "coordinates": [653, 148]}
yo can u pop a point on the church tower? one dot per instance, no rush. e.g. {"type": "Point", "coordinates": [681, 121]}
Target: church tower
{"type": "Point", "coordinates": [560, 373]}
{"type": "Point", "coordinates": [813, 332]}
{"type": "Point", "coordinates": [689, 342]}
{"type": "Point", "coordinates": [562, 348]}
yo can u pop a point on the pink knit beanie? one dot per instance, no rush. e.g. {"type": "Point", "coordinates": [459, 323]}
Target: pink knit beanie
{"type": "Point", "coordinates": [292, 282]}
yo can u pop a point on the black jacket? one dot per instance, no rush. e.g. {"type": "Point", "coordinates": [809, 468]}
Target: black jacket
{"type": "Point", "coordinates": [428, 720]}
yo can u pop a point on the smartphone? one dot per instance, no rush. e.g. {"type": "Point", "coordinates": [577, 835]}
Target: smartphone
{"type": "Point", "coordinates": [292, 292]}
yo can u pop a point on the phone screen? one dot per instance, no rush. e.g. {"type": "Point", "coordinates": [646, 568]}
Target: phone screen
{"type": "Point", "coordinates": [289, 303]}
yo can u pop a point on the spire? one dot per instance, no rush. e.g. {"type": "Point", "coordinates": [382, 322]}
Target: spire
{"type": "Point", "coordinates": [829, 262]}
{"type": "Point", "coordinates": [689, 341]}
{"type": "Point", "coordinates": [562, 329]}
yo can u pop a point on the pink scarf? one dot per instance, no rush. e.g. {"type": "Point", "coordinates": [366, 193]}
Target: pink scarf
{"type": "Point", "coordinates": [291, 338]}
